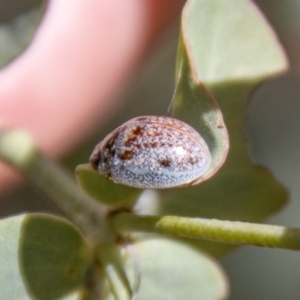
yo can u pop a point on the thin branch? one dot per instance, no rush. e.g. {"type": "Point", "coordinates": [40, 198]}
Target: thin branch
{"type": "Point", "coordinates": [229, 232]}
{"type": "Point", "coordinates": [17, 149]}
{"type": "Point", "coordinates": [112, 263]}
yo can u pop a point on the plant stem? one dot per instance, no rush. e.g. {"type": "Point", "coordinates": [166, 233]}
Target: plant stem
{"type": "Point", "coordinates": [17, 148]}
{"type": "Point", "coordinates": [110, 257]}
{"type": "Point", "coordinates": [230, 232]}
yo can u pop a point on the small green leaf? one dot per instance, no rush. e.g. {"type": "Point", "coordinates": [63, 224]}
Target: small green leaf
{"type": "Point", "coordinates": [11, 283]}
{"type": "Point", "coordinates": [196, 107]}
{"type": "Point", "coordinates": [228, 47]}
{"type": "Point", "coordinates": [171, 270]}
{"type": "Point", "coordinates": [40, 256]}
{"type": "Point", "coordinates": [230, 41]}
{"type": "Point", "coordinates": [105, 190]}
{"type": "Point", "coordinates": [53, 256]}
{"type": "Point", "coordinates": [17, 27]}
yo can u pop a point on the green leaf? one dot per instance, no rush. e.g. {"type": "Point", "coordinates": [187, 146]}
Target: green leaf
{"type": "Point", "coordinates": [196, 107]}
{"type": "Point", "coordinates": [18, 23]}
{"type": "Point", "coordinates": [228, 47]}
{"type": "Point", "coordinates": [171, 270]}
{"type": "Point", "coordinates": [105, 190]}
{"type": "Point", "coordinates": [230, 41]}
{"type": "Point", "coordinates": [53, 256]}
{"type": "Point", "coordinates": [41, 256]}
{"type": "Point", "coordinates": [11, 283]}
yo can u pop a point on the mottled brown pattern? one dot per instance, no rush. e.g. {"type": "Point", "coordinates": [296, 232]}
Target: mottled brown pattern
{"type": "Point", "coordinates": [153, 152]}
{"type": "Point", "coordinates": [165, 162]}
{"type": "Point", "coordinates": [126, 155]}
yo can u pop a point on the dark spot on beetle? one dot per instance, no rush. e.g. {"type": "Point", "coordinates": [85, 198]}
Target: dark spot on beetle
{"type": "Point", "coordinates": [94, 160]}
{"type": "Point", "coordinates": [112, 151]}
{"type": "Point", "coordinates": [126, 155]}
{"type": "Point", "coordinates": [192, 160]}
{"type": "Point", "coordinates": [165, 162]}
{"type": "Point", "coordinates": [137, 130]}
{"type": "Point", "coordinates": [110, 147]}
{"type": "Point", "coordinates": [132, 136]}
{"type": "Point", "coordinates": [128, 144]}
{"type": "Point", "coordinates": [151, 145]}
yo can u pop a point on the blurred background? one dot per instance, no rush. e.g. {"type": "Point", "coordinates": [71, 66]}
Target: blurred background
{"type": "Point", "coordinates": [272, 123]}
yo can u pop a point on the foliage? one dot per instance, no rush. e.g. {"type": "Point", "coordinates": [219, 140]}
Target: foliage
{"type": "Point", "coordinates": [225, 49]}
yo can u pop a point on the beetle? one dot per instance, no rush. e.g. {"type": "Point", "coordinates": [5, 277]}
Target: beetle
{"type": "Point", "coordinates": [153, 152]}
